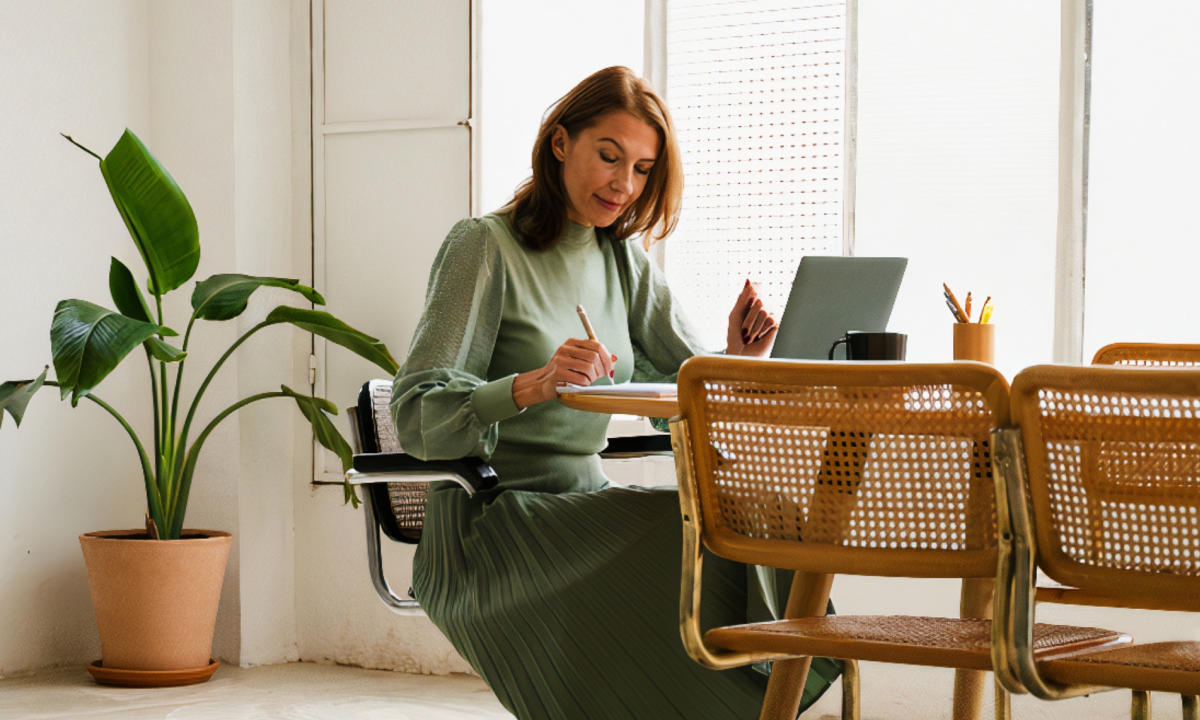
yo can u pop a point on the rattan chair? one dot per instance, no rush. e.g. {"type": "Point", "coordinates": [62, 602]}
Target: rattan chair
{"type": "Point", "coordinates": [860, 468]}
{"type": "Point", "coordinates": [1148, 355]}
{"type": "Point", "coordinates": [395, 485]}
{"type": "Point", "coordinates": [1100, 488]}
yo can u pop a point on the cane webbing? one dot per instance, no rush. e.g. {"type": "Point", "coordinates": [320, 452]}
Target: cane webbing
{"type": "Point", "coordinates": [407, 499]}
{"type": "Point", "coordinates": [1148, 355]}
{"type": "Point", "coordinates": [885, 466]}
{"type": "Point", "coordinates": [1163, 667]}
{"type": "Point", "coordinates": [1114, 472]}
{"type": "Point", "coordinates": [944, 642]}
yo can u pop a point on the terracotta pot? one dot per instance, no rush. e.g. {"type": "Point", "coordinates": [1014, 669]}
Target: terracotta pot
{"type": "Point", "coordinates": [155, 600]}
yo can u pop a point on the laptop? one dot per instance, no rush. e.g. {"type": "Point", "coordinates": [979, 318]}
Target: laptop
{"type": "Point", "coordinates": [831, 295]}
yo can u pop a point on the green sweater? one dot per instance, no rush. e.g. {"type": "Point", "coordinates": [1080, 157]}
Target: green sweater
{"type": "Point", "coordinates": [495, 308]}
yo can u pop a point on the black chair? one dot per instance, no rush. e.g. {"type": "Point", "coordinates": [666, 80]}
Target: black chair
{"type": "Point", "coordinates": [395, 485]}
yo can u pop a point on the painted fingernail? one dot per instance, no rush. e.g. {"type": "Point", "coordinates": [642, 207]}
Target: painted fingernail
{"type": "Point", "coordinates": [612, 374]}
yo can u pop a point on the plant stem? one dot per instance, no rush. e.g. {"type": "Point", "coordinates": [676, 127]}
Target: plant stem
{"type": "Point", "coordinates": [152, 497]}
{"type": "Point", "coordinates": [160, 407]}
{"type": "Point", "coordinates": [89, 152]}
{"type": "Point", "coordinates": [187, 423]}
{"type": "Point", "coordinates": [158, 468]}
{"type": "Point", "coordinates": [187, 336]}
{"type": "Point", "coordinates": [179, 507]}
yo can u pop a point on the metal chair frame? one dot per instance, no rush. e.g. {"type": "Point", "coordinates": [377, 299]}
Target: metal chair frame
{"type": "Point", "coordinates": [376, 470]}
{"type": "Point", "coordinates": [1017, 593]}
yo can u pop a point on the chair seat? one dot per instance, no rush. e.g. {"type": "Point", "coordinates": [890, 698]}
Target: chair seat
{"type": "Point", "coordinates": [941, 642]}
{"type": "Point", "coordinates": [1161, 667]}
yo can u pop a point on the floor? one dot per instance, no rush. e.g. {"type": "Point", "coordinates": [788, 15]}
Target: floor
{"type": "Point", "coordinates": [306, 691]}
{"type": "Point", "coordinates": [298, 691]}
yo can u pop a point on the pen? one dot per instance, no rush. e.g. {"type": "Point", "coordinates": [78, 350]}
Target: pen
{"type": "Point", "coordinates": [967, 307]}
{"type": "Point", "coordinates": [953, 310]}
{"type": "Point", "coordinates": [958, 312]}
{"type": "Point", "coordinates": [587, 325]}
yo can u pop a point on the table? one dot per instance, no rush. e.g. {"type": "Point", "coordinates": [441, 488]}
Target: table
{"type": "Point", "coordinates": [646, 407]}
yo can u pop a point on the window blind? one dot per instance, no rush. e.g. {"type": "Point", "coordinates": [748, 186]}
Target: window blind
{"type": "Point", "coordinates": [758, 90]}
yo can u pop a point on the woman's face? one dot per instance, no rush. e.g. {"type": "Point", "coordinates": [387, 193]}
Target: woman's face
{"type": "Point", "coordinates": [605, 167]}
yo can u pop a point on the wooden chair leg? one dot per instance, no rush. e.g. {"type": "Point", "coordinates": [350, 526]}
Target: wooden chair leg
{"type": "Point", "coordinates": [1140, 709]}
{"type": "Point", "coordinates": [851, 691]}
{"type": "Point", "coordinates": [968, 694]}
{"type": "Point", "coordinates": [1189, 707]}
{"type": "Point", "coordinates": [975, 602]}
{"type": "Point", "coordinates": [808, 598]}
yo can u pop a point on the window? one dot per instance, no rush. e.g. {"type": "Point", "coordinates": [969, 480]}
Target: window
{"type": "Point", "coordinates": [532, 53]}
{"type": "Point", "coordinates": [758, 90]}
{"type": "Point", "coordinates": [957, 165]}
{"type": "Point", "coordinates": [1142, 254]}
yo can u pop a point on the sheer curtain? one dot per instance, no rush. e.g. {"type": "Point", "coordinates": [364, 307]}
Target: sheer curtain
{"type": "Point", "coordinates": [957, 165]}
{"type": "Point", "coordinates": [1143, 250]}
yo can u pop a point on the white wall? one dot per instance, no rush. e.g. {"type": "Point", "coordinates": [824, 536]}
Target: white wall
{"type": "Point", "coordinates": [207, 86]}
{"type": "Point", "coordinates": [82, 70]}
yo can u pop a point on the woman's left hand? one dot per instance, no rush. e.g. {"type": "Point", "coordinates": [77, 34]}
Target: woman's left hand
{"type": "Point", "coordinates": [752, 327]}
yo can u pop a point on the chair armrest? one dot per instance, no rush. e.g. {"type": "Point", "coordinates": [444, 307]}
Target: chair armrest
{"type": "Point", "coordinates": [472, 474]}
{"type": "Point", "coordinates": [637, 446]}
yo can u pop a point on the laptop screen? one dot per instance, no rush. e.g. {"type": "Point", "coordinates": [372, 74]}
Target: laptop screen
{"type": "Point", "coordinates": [831, 295]}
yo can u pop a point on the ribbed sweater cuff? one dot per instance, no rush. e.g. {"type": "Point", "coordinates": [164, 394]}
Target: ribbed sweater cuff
{"type": "Point", "coordinates": [494, 402]}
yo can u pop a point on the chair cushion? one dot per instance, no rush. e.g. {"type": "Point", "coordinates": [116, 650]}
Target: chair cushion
{"type": "Point", "coordinates": [1162, 667]}
{"type": "Point", "coordinates": [940, 642]}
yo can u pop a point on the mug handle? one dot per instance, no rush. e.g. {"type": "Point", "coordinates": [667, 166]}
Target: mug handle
{"type": "Point", "coordinates": [839, 341]}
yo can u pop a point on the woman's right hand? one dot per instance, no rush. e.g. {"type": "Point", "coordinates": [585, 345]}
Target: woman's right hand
{"type": "Point", "coordinates": [579, 362]}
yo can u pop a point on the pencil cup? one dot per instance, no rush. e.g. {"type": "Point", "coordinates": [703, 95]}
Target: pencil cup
{"type": "Point", "coordinates": [975, 341]}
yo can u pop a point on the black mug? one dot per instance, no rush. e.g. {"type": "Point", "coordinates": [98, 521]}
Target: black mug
{"type": "Point", "coordinates": [872, 345]}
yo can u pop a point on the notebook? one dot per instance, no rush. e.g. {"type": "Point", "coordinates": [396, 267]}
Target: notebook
{"type": "Point", "coordinates": [831, 295]}
{"type": "Point", "coordinates": [630, 389]}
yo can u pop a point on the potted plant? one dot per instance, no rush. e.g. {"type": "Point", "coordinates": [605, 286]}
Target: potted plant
{"type": "Point", "coordinates": [155, 591]}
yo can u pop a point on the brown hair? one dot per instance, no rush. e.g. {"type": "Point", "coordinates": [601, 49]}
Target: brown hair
{"type": "Point", "coordinates": [538, 210]}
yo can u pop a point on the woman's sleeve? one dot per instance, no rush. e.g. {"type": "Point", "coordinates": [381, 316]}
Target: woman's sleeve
{"type": "Point", "coordinates": [662, 335]}
{"type": "Point", "coordinates": [443, 406]}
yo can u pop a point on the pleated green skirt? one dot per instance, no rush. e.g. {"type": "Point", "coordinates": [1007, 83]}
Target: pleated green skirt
{"type": "Point", "coordinates": [568, 604]}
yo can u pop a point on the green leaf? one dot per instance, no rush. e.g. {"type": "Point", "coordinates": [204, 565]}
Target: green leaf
{"type": "Point", "coordinates": [16, 394]}
{"type": "Point", "coordinates": [327, 326]}
{"type": "Point", "coordinates": [349, 496]}
{"type": "Point", "coordinates": [314, 409]}
{"type": "Point", "coordinates": [126, 294]}
{"type": "Point", "coordinates": [222, 297]}
{"type": "Point", "coordinates": [89, 341]}
{"type": "Point", "coordinates": [164, 352]}
{"type": "Point", "coordinates": [155, 211]}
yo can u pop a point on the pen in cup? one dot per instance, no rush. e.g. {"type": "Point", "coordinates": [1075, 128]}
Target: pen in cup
{"type": "Point", "coordinates": [959, 315]}
{"type": "Point", "coordinates": [587, 325]}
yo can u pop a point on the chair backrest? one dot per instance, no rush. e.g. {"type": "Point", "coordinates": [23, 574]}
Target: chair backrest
{"type": "Point", "coordinates": [846, 467]}
{"type": "Point", "coordinates": [399, 507]}
{"type": "Point", "coordinates": [1148, 355]}
{"type": "Point", "coordinates": [1113, 465]}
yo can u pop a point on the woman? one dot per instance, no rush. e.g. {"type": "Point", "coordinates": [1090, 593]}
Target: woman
{"type": "Point", "coordinates": [563, 592]}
